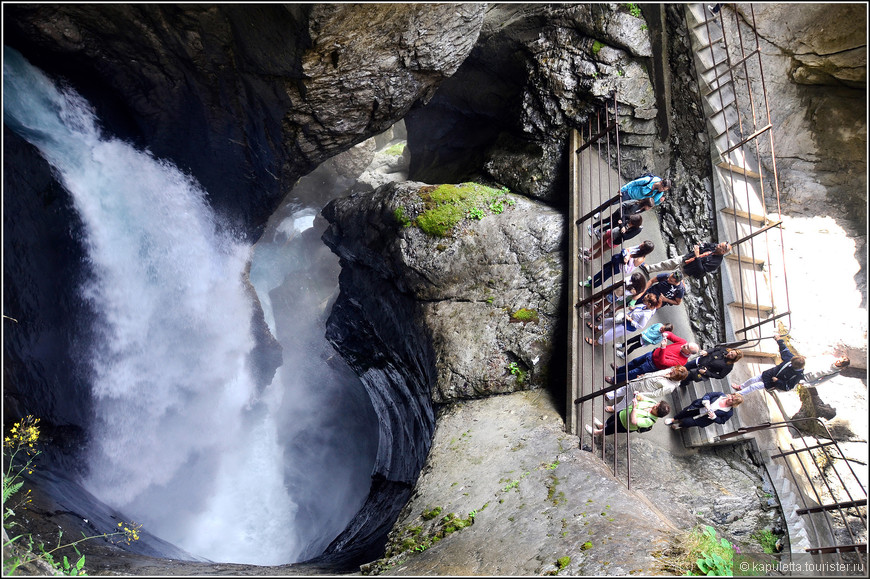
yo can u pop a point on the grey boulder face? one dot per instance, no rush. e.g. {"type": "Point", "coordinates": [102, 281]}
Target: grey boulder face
{"type": "Point", "coordinates": [487, 295]}
{"type": "Point", "coordinates": [249, 98]}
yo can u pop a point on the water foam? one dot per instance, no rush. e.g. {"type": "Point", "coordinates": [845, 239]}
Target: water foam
{"type": "Point", "coordinates": [180, 440]}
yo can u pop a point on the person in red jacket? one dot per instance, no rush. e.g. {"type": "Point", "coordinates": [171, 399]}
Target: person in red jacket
{"type": "Point", "coordinates": [665, 356]}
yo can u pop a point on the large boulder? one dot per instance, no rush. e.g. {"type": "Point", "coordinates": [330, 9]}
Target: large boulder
{"type": "Point", "coordinates": [495, 282]}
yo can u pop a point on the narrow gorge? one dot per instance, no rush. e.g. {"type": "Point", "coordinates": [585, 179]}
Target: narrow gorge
{"type": "Point", "coordinates": [221, 303]}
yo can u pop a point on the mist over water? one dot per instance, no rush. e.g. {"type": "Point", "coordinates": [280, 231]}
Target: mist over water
{"type": "Point", "coordinates": [181, 441]}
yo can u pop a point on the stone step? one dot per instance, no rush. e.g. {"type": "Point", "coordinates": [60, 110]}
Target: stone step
{"type": "Point", "coordinates": [745, 260]}
{"type": "Point", "coordinates": [718, 95]}
{"type": "Point", "coordinates": [799, 533]}
{"type": "Point", "coordinates": [728, 168]}
{"type": "Point", "coordinates": [758, 219]}
{"type": "Point", "coordinates": [709, 56]}
{"type": "Point", "coordinates": [697, 14]}
{"type": "Point", "coordinates": [722, 121]}
{"type": "Point", "coordinates": [764, 309]}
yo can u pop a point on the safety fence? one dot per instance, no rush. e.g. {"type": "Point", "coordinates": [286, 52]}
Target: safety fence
{"type": "Point", "coordinates": [755, 284]}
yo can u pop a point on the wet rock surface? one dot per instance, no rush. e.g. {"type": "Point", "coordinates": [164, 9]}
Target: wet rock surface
{"type": "Point", "coordinates": [468, 286]}
{"type": "Point", "coordinates": [536, 497]}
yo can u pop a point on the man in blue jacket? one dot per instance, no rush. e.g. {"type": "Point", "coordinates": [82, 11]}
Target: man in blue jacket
{"type": "Point", "coordinates": [649, 186]}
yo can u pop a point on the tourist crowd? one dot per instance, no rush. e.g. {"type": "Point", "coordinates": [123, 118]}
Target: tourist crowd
{"type": "Point", "coordinates": [636, 390]}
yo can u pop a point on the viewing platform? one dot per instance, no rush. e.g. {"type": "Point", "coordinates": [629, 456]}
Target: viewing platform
{"type": "Point", "coordinates": [754, 288]}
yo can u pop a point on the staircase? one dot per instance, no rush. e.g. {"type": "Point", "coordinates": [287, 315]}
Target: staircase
{"type": "Point", "coordinates": [728, 88]}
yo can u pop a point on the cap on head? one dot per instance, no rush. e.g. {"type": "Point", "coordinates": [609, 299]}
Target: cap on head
{"type": "Point", "coordinates": [677, 275]}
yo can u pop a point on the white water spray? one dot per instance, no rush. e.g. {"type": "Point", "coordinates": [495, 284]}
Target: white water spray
{"type": "Point", "coordinates": [180, 441]}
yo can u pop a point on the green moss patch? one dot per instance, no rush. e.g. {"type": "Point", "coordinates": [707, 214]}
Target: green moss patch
{"type": "Point", "coordinates": [396, 150]}
{"type": "Point", "coordinates": [524, 315]}
{"type": "Point", "coordinates": [446, 205]}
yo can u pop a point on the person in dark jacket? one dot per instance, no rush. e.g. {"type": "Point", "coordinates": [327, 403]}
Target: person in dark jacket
{"type": "Point", "coordinates": [613, 237]}
{"type": "Point", "coordinates": [717, 363]}
{"type": "Point", "coordinates": [784, 376]}
{"type": "Point", "coordinates": [715, 407]}
{"type": "Point", "coordinates": [626, 210]}
{"type": "Point", "coordinates": [703, 259]}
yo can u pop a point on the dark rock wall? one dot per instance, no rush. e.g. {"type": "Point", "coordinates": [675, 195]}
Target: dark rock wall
{"type": "Point", "coordinates": [537, 71]}
{"type": "Point", "coordinates": [248, 98]}
{"type": "Point", "coordinates": [686, 216]}
{"type": "Point", "coordinates": [425, 319]}
{"type": "Point", "coordinates": [44, 369]}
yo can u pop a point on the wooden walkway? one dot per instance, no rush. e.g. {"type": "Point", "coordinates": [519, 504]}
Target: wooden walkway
{"type": "Point", "coordinates": [754, 281]}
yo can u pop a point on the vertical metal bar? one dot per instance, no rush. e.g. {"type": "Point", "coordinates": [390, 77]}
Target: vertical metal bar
{"type": "Point", "coordinates": [593, 199]}
{"type": "Point", "coordinates": [827, 519]}
{"type": "Point", "coordinates": [602, 167]}
{"type": "Point", "coordinates": [833, 496]}
{"type": "Point", "coordinates": [572, 412]}
{"type": "Point", "coordinates": [627, 418]}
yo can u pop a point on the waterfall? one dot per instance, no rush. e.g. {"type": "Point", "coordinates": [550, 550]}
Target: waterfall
{"type": "Point", "coordinates": [180, 440]}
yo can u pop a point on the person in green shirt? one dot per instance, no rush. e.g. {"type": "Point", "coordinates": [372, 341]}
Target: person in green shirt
{"type": "Point", "coordinates": [640, 416]}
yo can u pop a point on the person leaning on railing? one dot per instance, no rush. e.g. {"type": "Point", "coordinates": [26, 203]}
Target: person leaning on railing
{"type": "Point", "coordinates": [655, 385]}
{"type": "Point", "coordinates": [665, 356]}
{"type": "Point", "coordinates": [615, 327]}
{"type": "Point", "coordinates": [703, 259]}
{"type": "Point", "coordinates": [625, 210]}
{"type": "Point", "coordinates": [625, 261]}
{"type": "Point", "coordinates": [630, 291]}
{"type": "Point", "coordinates": [646, 187]}
{"type": "Point", "coordinates": [617, 235]}
{"type": "Point", "coordinates": [651, 336]}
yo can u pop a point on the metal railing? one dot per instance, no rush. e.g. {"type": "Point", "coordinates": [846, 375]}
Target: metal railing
{"type": "Point", "coordinates": [594, 191]}
{"type": "Point", "coordinates": [747, 130]}
{"type": "Point", "coordinates": [835, 504]}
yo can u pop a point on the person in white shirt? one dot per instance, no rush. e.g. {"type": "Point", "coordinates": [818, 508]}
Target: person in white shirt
{"type": "Point", "coordinates": [616, 327]}
{"type": "Point", "coordinates": [655, 385]}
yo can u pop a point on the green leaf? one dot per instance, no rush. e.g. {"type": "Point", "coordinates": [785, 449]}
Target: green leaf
{"type": "Point", "coordinates": [81, 562]}
{"type": "Point", "coordinates": [708, 530]}
{"type": "Point", "coordinates": [10, 488]}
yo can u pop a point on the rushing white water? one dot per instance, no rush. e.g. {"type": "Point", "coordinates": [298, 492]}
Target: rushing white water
{"type": "Point", "coordinates": [180, 441]}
